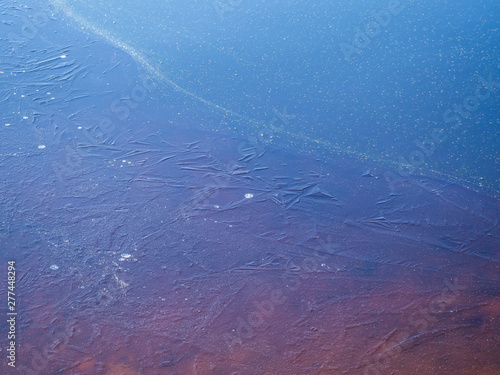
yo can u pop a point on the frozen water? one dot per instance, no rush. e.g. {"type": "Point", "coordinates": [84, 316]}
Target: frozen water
{"type": "Point", "coordinates": [165, 262]}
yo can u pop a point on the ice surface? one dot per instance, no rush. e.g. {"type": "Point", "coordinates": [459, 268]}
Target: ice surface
{"type": "Point", "coordinates": [185, 251]}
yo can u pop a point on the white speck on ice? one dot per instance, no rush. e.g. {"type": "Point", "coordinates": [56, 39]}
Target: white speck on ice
{"type": "Point", "coordinates": [63, 56]}
{"type": "Point", "coordinates": [41, 147]}
{"type": "Point", "coordinates": [248, 195]}
{"type": "Point", "coordinates": [7, 124]}
{"type": "Point", "coordinates": [126, 256]}
{"type": "Point", "coordinates": [54, 267]}
{"type": "Point", "coordinates": [25, 117]}
{"type": "Point", "coordinates": [79, 127]}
